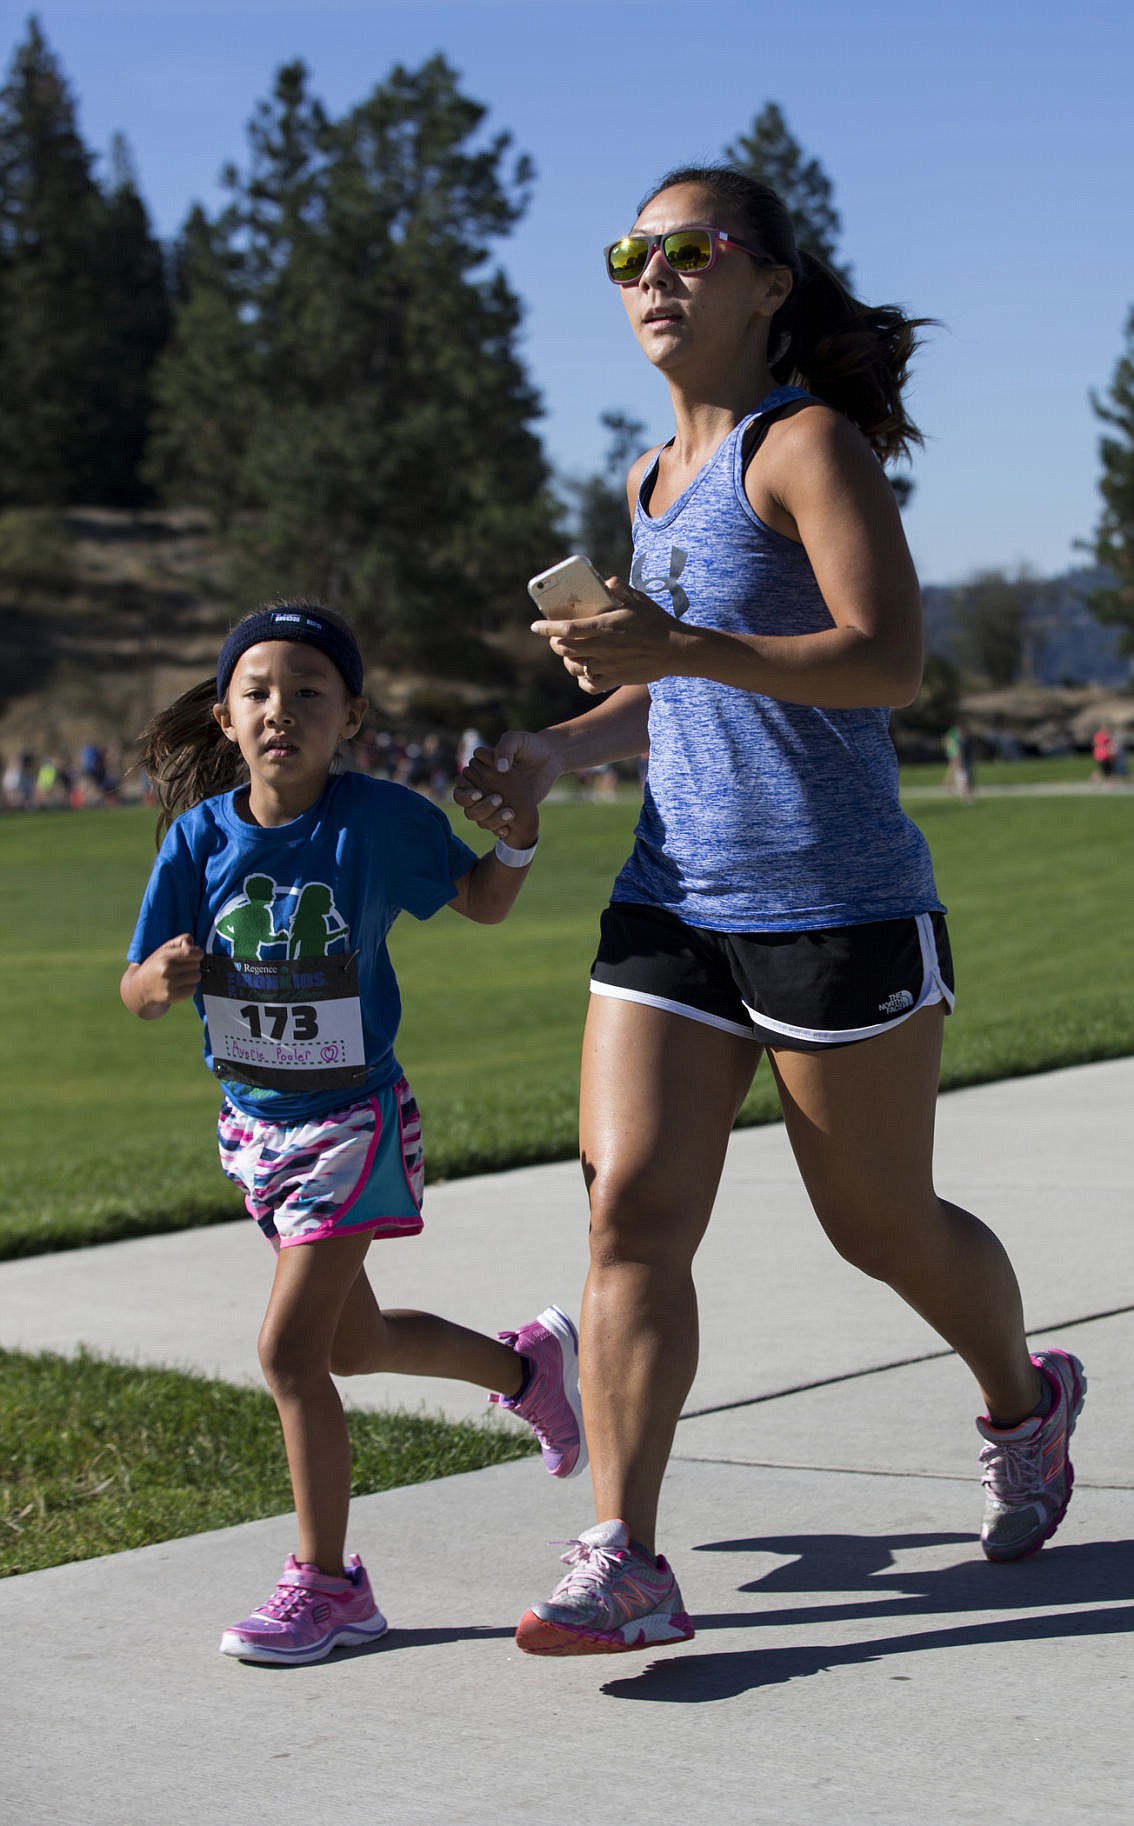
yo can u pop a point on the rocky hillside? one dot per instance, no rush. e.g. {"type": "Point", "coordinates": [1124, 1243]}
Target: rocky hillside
{"type": "Point", "coordinates": [106, 616]}
{"type": "Point", "coordinates": [100, 630]}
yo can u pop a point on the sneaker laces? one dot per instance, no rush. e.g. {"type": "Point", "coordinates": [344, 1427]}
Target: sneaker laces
{"type": "Point", "coordinates": [286, 1601]}
{"type": "Point", "coordinates": [589, 1564]}
{"type": "Point", "coordinates": [1012, 1468]}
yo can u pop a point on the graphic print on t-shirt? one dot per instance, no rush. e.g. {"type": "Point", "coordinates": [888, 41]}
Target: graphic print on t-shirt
{"type": "Point", "coordinates": [651, 585]}
{"type": "Point", "coordinates": [267, 922]}
{"type": "Point", "coordinates": [280, 989]}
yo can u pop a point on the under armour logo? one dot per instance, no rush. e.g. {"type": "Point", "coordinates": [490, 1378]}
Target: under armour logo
{"type": "Point", "coordinates": [654, 586]}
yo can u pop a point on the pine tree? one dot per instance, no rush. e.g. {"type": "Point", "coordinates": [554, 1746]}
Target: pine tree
{"type": "Point", "coordinates": [133, 327]}
{"type": "Point", "coordinates": [386, 458]}
{"type": "Point", "coordinates": [203, 385]}
{"type": "Point", "coordinates": [1113, 542]}
{"type": "Point", "coordinates": [82, 301]}
{"type": "Point", "coordinates": [48, 205]}
{"type": "Point", "coordinates": [601, 515]}
{"type": "Point", "coordinates": [1000, 618]}
{"type": "Point", "coordinates": [770, 153]}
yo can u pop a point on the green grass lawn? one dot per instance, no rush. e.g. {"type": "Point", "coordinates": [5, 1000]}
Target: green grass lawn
{"type": "Point", "coordinates": [99, 1457]}
{"type": "Point", "coordinates": [109, 1121]}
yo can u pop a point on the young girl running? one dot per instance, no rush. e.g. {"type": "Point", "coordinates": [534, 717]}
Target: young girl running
{"type": "Point", "coordinates": [777, 899]}
{"type": "Point", "coordinates": [269, 905]}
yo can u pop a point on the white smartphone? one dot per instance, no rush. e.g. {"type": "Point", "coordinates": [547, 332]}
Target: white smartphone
{"type": "Point", "coordinates": [570, 591]}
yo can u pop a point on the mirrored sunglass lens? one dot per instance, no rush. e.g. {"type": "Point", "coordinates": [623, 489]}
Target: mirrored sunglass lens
{"type": "Point", "coordinates": [688, 251]}
{"type": "Point", "coordinates": [627, 258]}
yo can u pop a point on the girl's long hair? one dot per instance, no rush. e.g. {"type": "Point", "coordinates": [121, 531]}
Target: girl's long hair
{"type": "Point", "coordinates": [184, 751]}
{"type": "Point", "coordinates": [854, 356]}
{"type": "Point", "coordinates": [186, 755]}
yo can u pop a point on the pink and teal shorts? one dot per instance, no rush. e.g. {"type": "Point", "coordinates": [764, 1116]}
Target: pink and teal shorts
{"type": "Point", "coordinates": [357, 1168]}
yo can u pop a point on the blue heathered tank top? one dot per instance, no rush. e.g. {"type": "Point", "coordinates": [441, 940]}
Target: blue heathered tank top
{"type": "Point", "coordinates": [758, 815]}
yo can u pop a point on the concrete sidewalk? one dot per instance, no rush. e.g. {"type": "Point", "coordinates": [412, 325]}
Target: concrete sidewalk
{"type": "Point", "coordinates": [856, 1658]}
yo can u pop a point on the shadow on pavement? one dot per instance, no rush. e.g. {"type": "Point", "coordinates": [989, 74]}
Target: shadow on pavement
{"type": "Point", "coordinates": [1081, 1575]}
{"type": "Point", "coordinates": [394, 1639]}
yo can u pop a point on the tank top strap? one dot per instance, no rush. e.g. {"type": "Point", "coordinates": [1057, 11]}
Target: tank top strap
{"type": "Point", "coordinates": [646, 485]}
{"type": "Point", "coordinates": [782, 404]}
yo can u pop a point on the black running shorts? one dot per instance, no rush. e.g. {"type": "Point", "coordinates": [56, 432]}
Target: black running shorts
{"type": "Point", "coordinates": [799, 990]}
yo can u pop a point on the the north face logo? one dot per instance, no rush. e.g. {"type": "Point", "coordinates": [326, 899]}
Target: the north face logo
{"type": "Point", "coordinates": [896, 1003]}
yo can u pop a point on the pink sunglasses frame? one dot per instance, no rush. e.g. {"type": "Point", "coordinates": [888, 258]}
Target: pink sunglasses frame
{"type": "Point", "coordinates": [719, 242]}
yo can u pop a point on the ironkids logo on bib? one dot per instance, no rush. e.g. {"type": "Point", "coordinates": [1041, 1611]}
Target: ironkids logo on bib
{"type": "Point", "coordinates": [283, 1010]}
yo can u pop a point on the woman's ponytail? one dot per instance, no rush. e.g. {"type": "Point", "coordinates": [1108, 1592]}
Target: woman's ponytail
{"type": "Point", "coordinates": [854, 356]}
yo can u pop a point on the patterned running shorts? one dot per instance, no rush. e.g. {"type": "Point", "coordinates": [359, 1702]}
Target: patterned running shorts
{"type": "Point", "coordinates": [353, 1169]}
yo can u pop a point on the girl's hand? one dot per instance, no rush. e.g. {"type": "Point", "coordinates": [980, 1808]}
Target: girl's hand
{"type": "Point", "coordinates": [508, 800]}
{"type": "Point", "coordinates": [633, 644]}
{"type": "Point", "coordinates": [170, 974]}
{"type": "Point", "coordinates": [488, 892]}
{"type": "Point", "coordinates": [482, 790]}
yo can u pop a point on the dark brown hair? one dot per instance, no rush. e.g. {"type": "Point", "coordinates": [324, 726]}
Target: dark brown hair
{"type": "Point", "coordinates": [183, 749]}
{"type": "Point", "coordinates": [852, 355]}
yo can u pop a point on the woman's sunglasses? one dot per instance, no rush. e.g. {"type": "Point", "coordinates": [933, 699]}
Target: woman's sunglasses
{"type": "Point", "coordinates": [684, 250]}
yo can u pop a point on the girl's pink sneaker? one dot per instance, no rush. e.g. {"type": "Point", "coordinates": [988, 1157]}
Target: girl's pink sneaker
{"type": "Point", "coordinates": [308, 1615]}
{"type": "Point", "coordinates": [550, 1402]}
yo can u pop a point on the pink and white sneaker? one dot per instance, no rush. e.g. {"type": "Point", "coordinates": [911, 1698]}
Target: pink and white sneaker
{"type": "Point", "coordinates": [612, 1600]}
{"type": "Point", "coordinates": [1028, 1476]}
{"type": "Point", "coordinates": [308, 1615]}
{"type": "Point", "coordinates": [550, 1403]}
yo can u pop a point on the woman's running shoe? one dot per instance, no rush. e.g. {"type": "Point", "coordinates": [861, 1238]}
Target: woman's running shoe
{"type": "Point", "coordinates": [612, 1599]}
{"type": "Point", "coordinates": [1028, 1476]}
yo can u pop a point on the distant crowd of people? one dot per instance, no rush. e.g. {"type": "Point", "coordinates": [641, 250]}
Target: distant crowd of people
{"type": "Point", "coordinates": [98, 775]}
{"type": "Point", "coordinates": [59, 781]}
{"type": "Point", "coordinates": [429, 764]}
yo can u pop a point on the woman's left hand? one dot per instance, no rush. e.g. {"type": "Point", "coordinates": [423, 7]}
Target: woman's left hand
{"type": "Point", "coordinates": [633, 644]}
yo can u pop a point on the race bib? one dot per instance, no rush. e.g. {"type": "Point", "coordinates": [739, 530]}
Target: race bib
{"type": "Point", "coordinates": [292, 1026]}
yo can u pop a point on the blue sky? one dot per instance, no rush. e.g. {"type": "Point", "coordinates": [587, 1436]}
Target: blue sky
{"type": "Point", "coordinates": [982, 156]}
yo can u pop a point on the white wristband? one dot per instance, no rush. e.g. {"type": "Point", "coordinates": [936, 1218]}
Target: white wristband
{"type": "Point", "coordinates": [513, 859]}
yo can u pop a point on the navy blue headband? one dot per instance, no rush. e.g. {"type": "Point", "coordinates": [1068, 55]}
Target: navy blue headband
{"type": "Point", "coordinates": [292, 624]}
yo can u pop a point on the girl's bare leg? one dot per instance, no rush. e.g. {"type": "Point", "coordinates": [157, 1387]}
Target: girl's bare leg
{"type": "Point", "coordinates": [659, 1096]}
{"type": "Point", "coordinates": [322, 1315]}
{"type": "Point", "coordinates": [370, 1341]}
{"type": "Point", "coordinates": [860, 1121]}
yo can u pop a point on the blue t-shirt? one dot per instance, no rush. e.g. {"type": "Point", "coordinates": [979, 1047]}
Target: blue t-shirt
{"type": "Point", "coordinates": [330, 883]}
{"type": "Point", "coordinates": [759, 815]}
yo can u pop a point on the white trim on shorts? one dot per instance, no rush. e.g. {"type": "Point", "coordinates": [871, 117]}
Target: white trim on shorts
{"type": "Point", "coordinates": [667, 1007]}
{"type": "Point", "coordinates": [933, 990]}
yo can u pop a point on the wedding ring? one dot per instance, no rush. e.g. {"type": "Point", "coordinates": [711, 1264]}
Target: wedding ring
{"type": "Point", "coordinates": [587, 675]}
